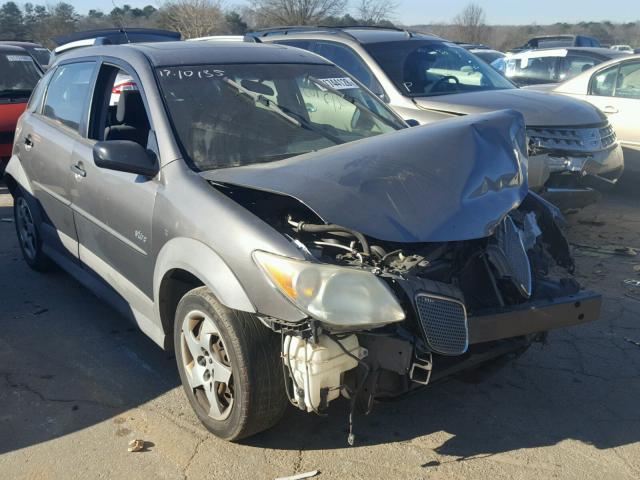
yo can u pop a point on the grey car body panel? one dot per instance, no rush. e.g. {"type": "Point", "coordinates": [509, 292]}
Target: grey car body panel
{"type": "Point", "coordinates": [539, 109]}
{"type": "Point", "coordinates": [230, 231]}
{"type": "Point", "coordinates": [425, 184]}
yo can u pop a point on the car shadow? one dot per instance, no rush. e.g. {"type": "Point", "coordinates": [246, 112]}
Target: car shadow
{"type": "Point", "coordinates": [68, 361]}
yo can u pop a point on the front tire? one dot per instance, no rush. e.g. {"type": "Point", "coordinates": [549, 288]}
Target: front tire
{"type": "Point", "coordinates": [28, 234]}
{"type": "Point", "coordinates": [229, 364]}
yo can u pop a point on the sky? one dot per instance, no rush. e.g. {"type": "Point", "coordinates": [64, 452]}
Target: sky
{"type": "Point", "coordinates": [513, 12]}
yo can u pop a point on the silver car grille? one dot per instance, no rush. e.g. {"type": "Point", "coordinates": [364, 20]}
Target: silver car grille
{"type": "Point", "coordinates": [509, 257]}
{"type": "Point", "coordinates": [444, 323]}
{"type": "Point", "coordinates": [582, 140]}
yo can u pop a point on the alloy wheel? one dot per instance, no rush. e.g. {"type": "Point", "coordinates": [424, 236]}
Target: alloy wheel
{"type": "Point", "coordinates": [206, 364]}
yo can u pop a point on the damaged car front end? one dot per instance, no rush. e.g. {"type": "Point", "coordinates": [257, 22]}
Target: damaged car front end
{"type": "Point", "coordinates": [419, 253]}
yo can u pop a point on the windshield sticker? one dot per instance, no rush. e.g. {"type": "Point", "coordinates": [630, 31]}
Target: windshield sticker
{"type": "Point", "coordinates": [189, 73]}
{"type": "Point", "coordinates": [19, 58]}
{"type": "Point", "coordinates": [344, 83]}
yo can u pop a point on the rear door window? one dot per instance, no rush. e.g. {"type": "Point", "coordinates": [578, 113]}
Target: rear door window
{"type": "Point", "coordinates": [68, 93]}
{"type": "Point", "coordinates": [628, 82]}
{"type": "Point", "coordinates": [603, 83]}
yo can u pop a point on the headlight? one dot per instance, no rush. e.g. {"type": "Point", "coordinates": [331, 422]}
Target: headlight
{"type": "Point", "coordinates": [337, 296]}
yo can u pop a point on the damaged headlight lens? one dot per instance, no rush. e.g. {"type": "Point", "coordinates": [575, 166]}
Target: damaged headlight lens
{"type": "Point", "coordinates": [338, 296]}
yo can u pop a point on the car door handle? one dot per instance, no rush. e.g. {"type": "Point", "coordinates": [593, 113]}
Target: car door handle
{"type": "Point", "coordinates": [28, 143]}
{"type": "Point", "coordinates": [610, 109]}
{"type": "Point", "coordinates": [78, 170]}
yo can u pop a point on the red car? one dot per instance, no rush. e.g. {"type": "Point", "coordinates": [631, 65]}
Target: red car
{"type": "Point", "coordinates": [18, 77]}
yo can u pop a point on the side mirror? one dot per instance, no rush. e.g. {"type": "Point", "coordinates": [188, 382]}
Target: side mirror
{"type": "Point", "coordinates": [412, 123]}
{"type": "Point", "coordinates": [125, 156]}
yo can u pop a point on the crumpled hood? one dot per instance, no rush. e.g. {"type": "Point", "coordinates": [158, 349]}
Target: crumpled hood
{"type": "Point", "coordinates": [539, 108]}
{"type": "Point", "coordinates": [451, 180]}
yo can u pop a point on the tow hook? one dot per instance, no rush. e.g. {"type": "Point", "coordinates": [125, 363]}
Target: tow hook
{"type": "Point", "coordinates": [421, 368]}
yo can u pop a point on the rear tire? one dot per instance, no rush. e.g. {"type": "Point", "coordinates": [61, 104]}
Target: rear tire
{"type": "Point", "coordinates": [229, 364]}
{"type": "Point", "coordinates": [25, 219]}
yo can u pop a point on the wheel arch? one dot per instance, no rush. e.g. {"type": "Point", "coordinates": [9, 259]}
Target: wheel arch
{"type": "Point", "coordinates": [14, 176]}
{"type": "Point", "coordinates": [184, 264]}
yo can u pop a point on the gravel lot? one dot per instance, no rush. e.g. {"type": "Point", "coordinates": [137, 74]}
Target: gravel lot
{"type": "Point", "coordinates": [77, 382]}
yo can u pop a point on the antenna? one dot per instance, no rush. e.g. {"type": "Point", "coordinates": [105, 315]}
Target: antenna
{"type": "Point", "coordinates": [122, 29]}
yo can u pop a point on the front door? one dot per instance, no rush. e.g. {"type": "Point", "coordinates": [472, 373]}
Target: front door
{"type": "Point", "coordinates": [113, 210]}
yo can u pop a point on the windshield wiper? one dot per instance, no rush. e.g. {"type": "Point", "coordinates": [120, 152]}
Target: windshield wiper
{"type": "Point", "coordinates": [353, 100]}
{"type": "Point", "coordinates": [285, 113]}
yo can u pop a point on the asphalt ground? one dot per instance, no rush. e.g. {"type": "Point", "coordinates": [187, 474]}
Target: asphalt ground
{"type": "Point", "coordinates": [77, 382]}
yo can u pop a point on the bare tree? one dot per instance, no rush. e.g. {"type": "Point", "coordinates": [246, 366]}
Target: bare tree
{"type": "Point", "coordinates": [194, 18]}
{"type": "Point", "coordinates": [375, 11]}
{"type": "Point", "coordinates": [470, 24]}
{"type": "Point", "coordinates": [297, 12]}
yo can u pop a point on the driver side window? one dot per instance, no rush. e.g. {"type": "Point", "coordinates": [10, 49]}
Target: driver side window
{"type": "Point", "coordinates": [118, 109]}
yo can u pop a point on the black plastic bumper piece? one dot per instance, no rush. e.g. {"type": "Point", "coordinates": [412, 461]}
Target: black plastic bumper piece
{"type": "Point", "coordinates": [535, 317]}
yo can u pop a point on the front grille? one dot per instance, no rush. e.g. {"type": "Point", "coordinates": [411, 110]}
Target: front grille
{"type": "Point", "coordinates": [444, 323]}
{"type": "Point", "coordinates": [607, 136]}
{"type": "Point", "coordinates": [583, 140]}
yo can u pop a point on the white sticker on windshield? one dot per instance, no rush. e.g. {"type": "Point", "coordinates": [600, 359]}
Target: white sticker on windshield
{"type": "Point", "coordinates": [19, 58]}
{"type": "Point", "coordinates": [339, 83]}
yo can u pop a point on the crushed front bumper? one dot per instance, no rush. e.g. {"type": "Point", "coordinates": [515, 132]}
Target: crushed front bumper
{"type": "Point", "coordinates": [575, 181]}
{"type": "Point", "coordinates": [535, 317]}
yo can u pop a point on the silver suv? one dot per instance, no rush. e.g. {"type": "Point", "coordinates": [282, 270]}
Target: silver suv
{"type": "Point", "coordinates": [258, 211]}
{"type": "Point", "coordinates": [572, 147]}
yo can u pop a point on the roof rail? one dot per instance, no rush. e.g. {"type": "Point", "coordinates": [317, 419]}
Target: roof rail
{"type": "Point", "coordinates": [264, 32]}
{"type": "Point", "coordinates": [339, 30]}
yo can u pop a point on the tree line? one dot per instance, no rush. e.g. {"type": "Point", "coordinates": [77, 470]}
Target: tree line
{"type": "Point", "coordinates": [192, 18]}
{"type": "Point", "coordinates": [195, 18]}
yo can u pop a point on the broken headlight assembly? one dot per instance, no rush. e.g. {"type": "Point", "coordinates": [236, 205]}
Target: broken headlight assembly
{"type": "Point", "coordinates": [339, 297]}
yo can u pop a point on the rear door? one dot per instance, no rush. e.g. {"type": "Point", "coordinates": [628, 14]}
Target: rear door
{"type": "Point", "coordinates": [49, 135]}
{"type": "Point", "coordinates": [616, 91]}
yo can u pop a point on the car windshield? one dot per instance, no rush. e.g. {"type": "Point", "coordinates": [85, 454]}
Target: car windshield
{"type": "Point", "coordinates": [19, 75]}
{"type": "Point", "coordinates": [427, 68]}
{"type": "Point", "coordinates": [234, 115]}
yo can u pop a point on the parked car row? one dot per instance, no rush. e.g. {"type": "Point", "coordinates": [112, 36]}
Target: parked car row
{"type": "Point", "coordinates": [555, 65]}
{"type": "Point", "coordinates": [425, 79]}
{"type": "Point", "coordinates": [310, 213]}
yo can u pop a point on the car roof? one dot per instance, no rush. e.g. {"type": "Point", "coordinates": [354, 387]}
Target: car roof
{"type": "Point", "coordinates": [113, 33]}
{"type": "Point", "coordinates": [561, 51]}
{"type": "Point", "coordinates": [202, 53]}
{"type": "Point", "coordinates": [21, 44]}
{"type": "Point", "coordinates": [543, 37]}
{"type": "Point", "coordinates": [6, 48]}
{"type": "Point", "coordinates": [360, 34]}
